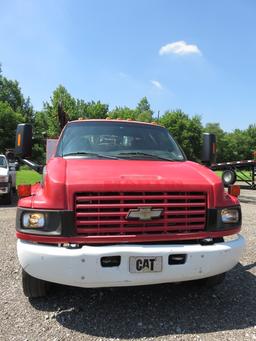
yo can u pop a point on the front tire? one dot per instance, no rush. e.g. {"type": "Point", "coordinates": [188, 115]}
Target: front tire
{"type": "Point", "coordinates": [34, 287]}
{"type": "Point", "coordinates": [8, 197]}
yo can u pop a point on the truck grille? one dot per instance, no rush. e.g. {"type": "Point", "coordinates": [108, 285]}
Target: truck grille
{"type": "Point", "coordinates": [105, 214]}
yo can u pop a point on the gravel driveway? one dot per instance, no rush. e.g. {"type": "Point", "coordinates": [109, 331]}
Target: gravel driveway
{"type": "Point", "coordinates": [163, 312]}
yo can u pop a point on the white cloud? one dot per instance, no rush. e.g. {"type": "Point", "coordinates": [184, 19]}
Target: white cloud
{"type": "Point", "coordinates": [179, 47]}
{"type": "Point", "coordinates": [157, 84]}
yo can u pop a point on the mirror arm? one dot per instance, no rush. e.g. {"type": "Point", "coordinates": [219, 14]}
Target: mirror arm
{"type": "Point", "coordinates": [206, 163]}
{"type": "Point", "coordinates": [36, 167]}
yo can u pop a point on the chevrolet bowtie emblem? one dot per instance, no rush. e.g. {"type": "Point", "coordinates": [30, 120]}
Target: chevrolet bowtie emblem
{"type": "Point", "coordinates": [144, 213]}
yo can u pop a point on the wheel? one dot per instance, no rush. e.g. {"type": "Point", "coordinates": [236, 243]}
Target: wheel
{"type": "Point", "coordinates": [212, 281]}
{"type": "Point", "coordinates": [34, 287]}
{"type": "Point", "coordinates": [228, 177]}
{"type": "Point", "coordinates": [8, 197]}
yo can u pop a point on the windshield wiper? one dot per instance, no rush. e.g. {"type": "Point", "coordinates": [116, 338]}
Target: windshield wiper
{"type": "Point", "coordinates": [153, 156]}
{"type": "Point", "coordinates": [92, 154]}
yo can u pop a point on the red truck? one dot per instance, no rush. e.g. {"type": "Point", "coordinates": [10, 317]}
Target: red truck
{"type": "Point", "coordinates": [120, 205]}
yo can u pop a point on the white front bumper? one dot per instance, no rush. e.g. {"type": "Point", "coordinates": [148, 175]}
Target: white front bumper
{"type": "Point", "coordinates": [82, 267]}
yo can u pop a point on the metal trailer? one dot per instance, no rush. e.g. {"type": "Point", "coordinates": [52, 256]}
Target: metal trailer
{"type": "Point", "coordinates": [238, 171]}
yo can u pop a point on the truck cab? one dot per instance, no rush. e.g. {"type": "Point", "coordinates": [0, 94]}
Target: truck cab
{"type": "Point", "coordinates": [119, 204]}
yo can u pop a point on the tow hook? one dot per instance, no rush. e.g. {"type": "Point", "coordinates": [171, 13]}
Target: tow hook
{"type": "Point", "coordinates": [70, 246]}
{"type": "Point", "coordinates": [207, 241]}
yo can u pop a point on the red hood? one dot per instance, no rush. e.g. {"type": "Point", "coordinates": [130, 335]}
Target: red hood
{"type": "Point", "coordinates": [125, 175]}
{"type": "Point", "coordinates": [66, 177]}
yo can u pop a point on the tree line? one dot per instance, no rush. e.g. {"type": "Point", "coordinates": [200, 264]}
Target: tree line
{"type": "Point", "coordinates": [15, 108]}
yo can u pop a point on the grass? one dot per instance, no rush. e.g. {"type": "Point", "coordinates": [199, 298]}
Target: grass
{"type": "Point", "coordinates": [26, 177]}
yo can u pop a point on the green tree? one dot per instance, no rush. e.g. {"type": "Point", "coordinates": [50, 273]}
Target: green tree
{"type": "Point", "coordinates": [50, 109]}
{"type": "Point", "coordinates": [8, 123]}
{"type": "Point", "coordinates": [75, 108]}
{"type": "Point", "coordinates": [143, 111]}
{"type": "Point", "coordinates": [40, 133]}
{"type": "Point", "coordinates": [143, 106]}
{"type": "Point", "coordinates": [186, 131]}
{"type": "Point", "coordinates": [14, 109]}
{"type": "Point", "coordinates": [124, 113]}
{"type": "Point", "coordinates": [96, 110]}
{"type": "Point", "coordinates": [251, 132]}
{"type": "Point", "coordinates": [10, 92]}
{"type": "Point", "coordinates": [28, 111]}
{"type": "Point", "coordinates": [238, 146]}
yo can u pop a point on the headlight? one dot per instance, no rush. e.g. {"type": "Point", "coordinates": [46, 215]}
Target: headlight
{"type": "Point", "coordinates": [229, 215]}
{"type": "Point", "coordinates": [45, 222]}
{"type": "Point", "coordinates": [33, 220]}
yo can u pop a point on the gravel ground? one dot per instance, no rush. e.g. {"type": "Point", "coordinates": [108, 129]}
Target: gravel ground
{"type": "Point", "coordinates": [163, 312]}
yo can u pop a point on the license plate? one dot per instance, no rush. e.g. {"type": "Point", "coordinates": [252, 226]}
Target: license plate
{"type": "Point", "coordinates": [145, 264]}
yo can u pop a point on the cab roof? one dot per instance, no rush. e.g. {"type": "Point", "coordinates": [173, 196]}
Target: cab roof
{"type": "Point", "coordinates": [115, 120]}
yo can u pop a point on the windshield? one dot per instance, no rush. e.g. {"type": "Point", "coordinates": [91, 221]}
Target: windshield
{"type": "Point", "coordinates": [3, 163]}
{"type": "Point", "coordinates": [118, 140]}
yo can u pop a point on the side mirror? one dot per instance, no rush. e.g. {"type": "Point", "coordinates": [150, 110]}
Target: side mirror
{"type": "Point", "coordinates": [23, 144]}
{"type": "Point", "coordinates": [209, 149]}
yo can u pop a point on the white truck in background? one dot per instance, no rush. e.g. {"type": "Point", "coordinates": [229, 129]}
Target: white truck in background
{"type": "Point", "coordinates": [7, 179]}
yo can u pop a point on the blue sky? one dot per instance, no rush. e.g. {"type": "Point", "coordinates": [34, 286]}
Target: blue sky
{"type": "Point", "coordinates": [199, 56]}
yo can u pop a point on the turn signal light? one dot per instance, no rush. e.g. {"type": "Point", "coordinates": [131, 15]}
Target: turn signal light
{"type": "Point", "coordinates": [19, 140]}
{"type": "Point", "coordinates": [234, 190]}
{"type": "Point", "coordinates": [24, 191]}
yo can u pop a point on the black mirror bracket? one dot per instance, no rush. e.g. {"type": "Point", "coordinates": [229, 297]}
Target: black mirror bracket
{"type": "Point", "coordinates": [35, 166]}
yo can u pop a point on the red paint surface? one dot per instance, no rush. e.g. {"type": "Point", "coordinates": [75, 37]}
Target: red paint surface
{"type": "Point", "coordinates": [125, 239]}
{"type": "Point", "coordinates": [66, 177]}
{"type": "Point", "coordinates": [180, 212]}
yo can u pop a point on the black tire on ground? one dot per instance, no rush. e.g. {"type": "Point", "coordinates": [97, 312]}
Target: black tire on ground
{"type": "Point", "coordinates": [8, 197]}
{"type": "Point", "coordinates": [212, 281]}
{"type": "Point", "coordinates": [229, 177]}
{"type": "Point", "coordinates": [34, 287]}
